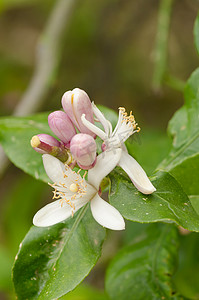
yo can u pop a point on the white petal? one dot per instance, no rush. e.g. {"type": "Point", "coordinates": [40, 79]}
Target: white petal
{"type": "Point", "coordinates": [53, 167]}
{"type": "Point", "coordinates": [55, 170]}
{"type": "Point", "coordinates": [93, 128]}
{"type": "Point", "coordinates": [136, 173]}
{"type": "Point", "coordinates": [119, 122]}
{"type": "Point", "coordinates": [106, 215]}
{"type": "Point", "coordinates": [53, 213]}
{"type": "Point", "coordinates": [105, 123]}
{"type": "Point", "coordinates": [106, 162]}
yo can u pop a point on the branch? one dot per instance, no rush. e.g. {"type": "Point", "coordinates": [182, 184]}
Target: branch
{"type": "Point", "coordinates": [160, 52]}
{"type": "Point", "coordinates": [47, 60]}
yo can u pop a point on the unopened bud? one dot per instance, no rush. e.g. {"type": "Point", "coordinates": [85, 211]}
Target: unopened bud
{"type": "Point", "coordinates": [76, 103]}
{"type": "Point", "coordinates": [46, 144]}
{"type": "Point", "coordinates": [43, 143]}
{"type": "Point", "coordinates": [62, 126]}
{"type": "Point", "coordinates": [83, 149]}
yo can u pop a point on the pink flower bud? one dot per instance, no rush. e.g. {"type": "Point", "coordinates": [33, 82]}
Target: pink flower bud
{"type": "Point", "coordinates": [46, 144]}
{"type": "Point", "coordinates": [43, 143]}
{"type": "Point", "coordinates": [62, 126]}
{"type": "Point", "coordinates": [83, 149]}
{"type": "Point", "coordinates": [76, 103]}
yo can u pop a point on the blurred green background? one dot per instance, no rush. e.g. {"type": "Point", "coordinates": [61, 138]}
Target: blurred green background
{"type": "Point", "coordinates": [108, 48]}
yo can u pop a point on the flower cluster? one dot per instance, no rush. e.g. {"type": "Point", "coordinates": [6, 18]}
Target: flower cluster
{"type": "Point", "coordinates": [74, 137]}
{"type": "Point", "coordinates": [76, 132]}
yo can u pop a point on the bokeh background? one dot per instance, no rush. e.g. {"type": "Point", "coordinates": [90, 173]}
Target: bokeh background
{"type": "Point", "coordinates": [110, 49]}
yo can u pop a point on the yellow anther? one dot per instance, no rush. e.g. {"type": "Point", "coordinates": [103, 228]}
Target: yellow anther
{"type": "Point", "coordinates": [138, 129]}
{"type": "Point", "coordinates": [73, 188]}
{"type": "Point", "coordinates": [121, 109]}
{"type": "Point", "coordinates": [129, 120]}
{"type": "Point", "coordinates": [35, 141]}
{"type": "Point", "coordinates": [65, 176]}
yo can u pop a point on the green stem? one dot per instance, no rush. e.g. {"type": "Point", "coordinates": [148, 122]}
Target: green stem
{"type": "Point", "coordinates": [174, 82]}
{"type": "Point", "coordinates": [160, 52]}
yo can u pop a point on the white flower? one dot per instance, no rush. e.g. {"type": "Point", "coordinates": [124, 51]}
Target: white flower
{"type": "Point", "coordinates": [126, 126]}
{"type": "Point", "coordinates": [73, 192]}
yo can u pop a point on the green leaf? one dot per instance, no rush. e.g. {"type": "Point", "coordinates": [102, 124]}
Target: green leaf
{"type": "Point", "coordinates": [25, 197]}
{"type": "Point", "coordinates": [183, 128]}
{"type": "Point", "coordinates": [85, 292]}
{"type": "Point", "coordinates": [186, 277]}
{"type": "Point", "coordinates": [168, 204]}
{"type": "Point", "coordinates": [52, 261]}
{"type": "Point", "coordinates": [143, 269]}
{"type": "Point", "coordinates": [196, 33]}
{"type": "Point", "coordinates": [195, 202]}
{"type": "Point", "coordinates": [15, 136]}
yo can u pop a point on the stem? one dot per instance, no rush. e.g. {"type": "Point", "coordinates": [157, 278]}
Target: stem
{"type": "Point", "coordinates": [160, 52]}
{"type": "Point", "coordinates": [48, 53]}
{"type": "Point", "coordinates": [175, 83]}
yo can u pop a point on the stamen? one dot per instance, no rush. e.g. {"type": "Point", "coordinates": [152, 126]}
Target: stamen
{"type": "Point", "coordinates": [64, 174]}
{"type": "Point", "coordinates": [128, 120]}
{"type": "Point", "coordinates": [85, 174]}
{"type": "Point", "coordinates": [77, 187]}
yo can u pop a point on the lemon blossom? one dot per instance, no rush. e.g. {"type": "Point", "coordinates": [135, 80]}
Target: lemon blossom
{"type": "Point", "coordinates": [126, 126]}
{"type": "Point", "coordinates": [72, 192]}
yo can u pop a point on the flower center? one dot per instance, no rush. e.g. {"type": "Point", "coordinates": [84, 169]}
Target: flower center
{"type": "Point", "coordinates": [68, 192]}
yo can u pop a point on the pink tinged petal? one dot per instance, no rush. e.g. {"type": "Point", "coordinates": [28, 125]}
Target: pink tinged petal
{"type": "Point", "coordinates": [106, 215]}
{"type": "Point", "coordinates": [54, 213]}
{"type": "Point", "coordinates": [106, 162]}
{"type": "Point", "coordinates": [76, 103]}
{"type": "Point", "coordinates": [136, 173]}
{"type": "Point", "coordinates": [46, 142]}
{"type": "Point", "coordinates": [62, 126]}
{"type": "Point", "coordinates": [83, 149]}
{"type": "Point", "coordinates": [48, 139]}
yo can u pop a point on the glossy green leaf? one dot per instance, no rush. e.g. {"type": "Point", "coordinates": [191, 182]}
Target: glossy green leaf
{"type": "Point", "coordinates": [195, 202]}
{"type": "Point", "coordinates": [187, 174]}
{"type": "Point", "coordinates": [143, 270]}
{"type": "Point", "coordinates": [183, 129]}
{"type": "Point", "coordinates": [15, 136]}
{"type": "Point", "coordinates": [168, 204]}
{"type": "Point", "coordinates": [196, 33]}
{"type": "Point", "coordinates": [53, 260]}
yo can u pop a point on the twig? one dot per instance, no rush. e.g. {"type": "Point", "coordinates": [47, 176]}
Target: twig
{"type": "Point", "coordinates": [160, 52]}
{"type": "Point", "coordinates": [47, 59]}
{"type": "Point", "coordinates": [48, 54]}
